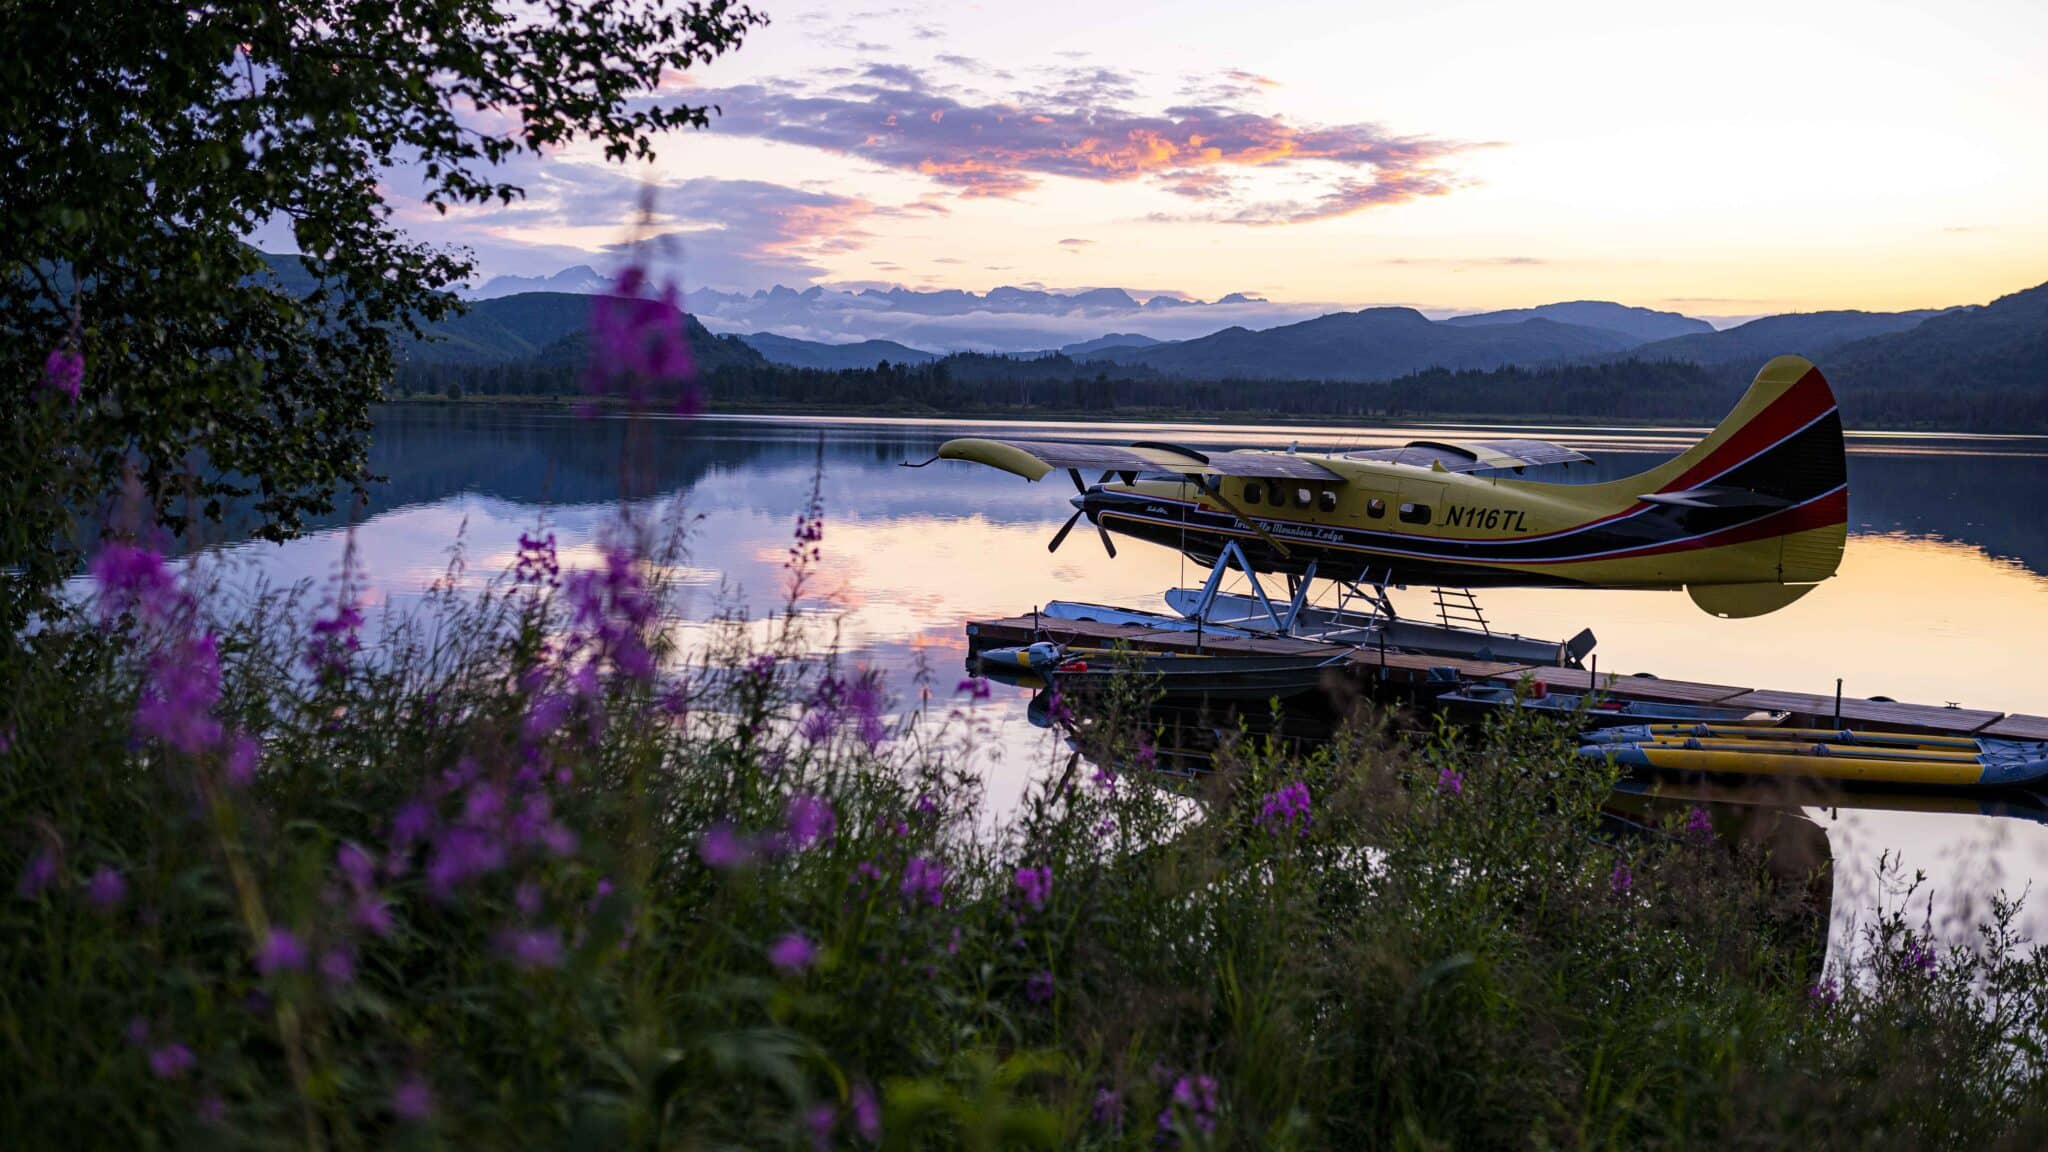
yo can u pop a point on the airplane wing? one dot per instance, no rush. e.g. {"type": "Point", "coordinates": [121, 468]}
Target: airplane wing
{"type": "Point", "coordinates": [1473, 455]}
{"type": "Point", "coordinates": [1032, 459]}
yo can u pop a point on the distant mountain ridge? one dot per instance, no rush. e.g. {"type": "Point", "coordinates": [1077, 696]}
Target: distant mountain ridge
{"type": "Point", "coordinates": [1368, 345]}
{"type": "Point", "coordinates": [795, 353]}
{"type": "Point", "coordinates": [1105, 343]}
{"type": "Point", "coordinates": [1640, 324]}
{"type": "Point", "coordinates": [1809, 334]}
{"type": "Point", "coordinates": [582, 279]}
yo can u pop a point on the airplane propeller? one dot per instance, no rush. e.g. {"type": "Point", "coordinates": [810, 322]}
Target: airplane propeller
{"type": "Point", "coordinates": [1060, 537]}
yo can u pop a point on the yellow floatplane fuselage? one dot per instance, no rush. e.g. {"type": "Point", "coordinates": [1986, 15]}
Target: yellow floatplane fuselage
{"type": "Point", "coordinates": [1747, 520]}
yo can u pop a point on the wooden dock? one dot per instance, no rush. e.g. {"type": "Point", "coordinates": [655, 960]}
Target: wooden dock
{"type": "Point", "coordinates": [1402, 669]}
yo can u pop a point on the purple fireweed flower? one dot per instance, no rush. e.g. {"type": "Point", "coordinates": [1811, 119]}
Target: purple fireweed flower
{"type": "Point", "coordinates": [1824, 992]}
{"type": "Point", "coordinates": [211, 1110]}
{"type": "Point", "coordinates": [546, 715]}
{"type": "Point", "coordinates": [1034, 884]}
{"type": "Point", "coordinates": [373, 915]}
{"type": "Point", "coordinates": [723, 848]}
{"type": "Point", "coordinates": [924, 882]}
{"type": "Point", "coordinates": [1621, 879]}
{"type": "Point", "coordinates": [461, 854]}
{"type": "Point", "coordinates": [106, 889]}
{"type": "Point", "coordinates": [1108, 1109]}
{"type": "Point", "coordinates": [244, 752]}
{"type": "Point", "coordinates": [864, 703]}
{"type": "Point", "coordinates": [64, 372]}
{"type": "Point", "coordinates": [128, 577]}
{"type": "Point", "coordinates": [40, 873]}
{"type": "Point", "coordinates": [1699, 823]}
{"type": "Point", "coordinates": [810, 820]}
{"type": "Point", "coordinates": [356, 866]}
{"type": "Point", "coordinates": [338, 967]}
{"type": "Point", "coordinates": [975, 687]}
{"type": "Point", "coordinates": [818, 724]}
{"type": "Point", "coordinates": [1056, 709]}
{"type": "Point", "coordinates": [171, 1061]}
{"type": "Point", "coordinates": [280, 951]}
{"type": "Point", "coordinates": [1450, 782]}
{"type": "Point", "coordinates": [1916, 957]}
{"type": "Point", "coordinates": [334, 639]}
{"type": "Point", "coordinates": [531, 949]}
{"type": "Point", "coordinates": [409, 825]}
{"type": "Point", "coordinates": [1039, 988]}
{"type": "Point", "coordinates": [558, 839]}
{"type": "Point", "coordinates": [1195, 1096]}
{"type": "Point", "coordinates": [792, 953]}
{"type": "Point", "coordinates": [1146, 753]}
{"type": "Point", "coordinates": [538, 563]}
{"type": "Point", "coordinates": [1285, 808]}
{"type": "Point", "coordinates": [640, 344]}
{"type": "Point", "coordinates": [867, 1113]}
{"type": "Point", "coordinates": [820, 1120]}
{"type": "Point", "coordinates": [527, 898]}
{"type": "Point", "coordinates": [412, 1099]}
{"type": "Point", "coordinates": [179, 693]}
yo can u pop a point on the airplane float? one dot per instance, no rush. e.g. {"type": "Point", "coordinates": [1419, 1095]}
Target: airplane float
{"type": "Point", "coordinates": [1746, 521]}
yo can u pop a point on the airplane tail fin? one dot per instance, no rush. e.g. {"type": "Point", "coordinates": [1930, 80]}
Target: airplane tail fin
{"type": "Point", "coordinates": [1779, 452]}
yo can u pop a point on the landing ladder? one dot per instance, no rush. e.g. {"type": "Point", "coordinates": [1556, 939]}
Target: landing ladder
{"type": "Point", "coordinates": [1458, 607]}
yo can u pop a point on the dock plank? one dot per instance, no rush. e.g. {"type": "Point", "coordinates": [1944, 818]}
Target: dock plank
{"type": "Point", "coordinates": [1638, 687]}
{"type": "Point", "coordinates": [2019, 726]}
{"type": "Point", "coordinates": [1883, 713]}
{"type": "Point", "coordinates": [1410, 668]}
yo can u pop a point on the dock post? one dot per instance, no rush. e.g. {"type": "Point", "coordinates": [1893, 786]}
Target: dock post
{"type": "Point", "coordinates": [1594, 687]}
{"type": "Point", "coordinates": [1838, 702]}
{"type": "Point", "coordinates": [1383, 651]}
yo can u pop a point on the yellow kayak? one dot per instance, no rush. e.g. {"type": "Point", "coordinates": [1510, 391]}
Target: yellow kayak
{"type": "Point", "coordinates": [1824, 754]}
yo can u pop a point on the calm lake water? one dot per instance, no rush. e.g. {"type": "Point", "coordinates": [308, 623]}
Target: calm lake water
{"type": "Point", "coordinates": [1943, 594]}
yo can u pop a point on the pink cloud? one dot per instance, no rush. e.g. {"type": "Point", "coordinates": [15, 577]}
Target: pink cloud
{"type": "Point", "coordinates": [1077, 128]}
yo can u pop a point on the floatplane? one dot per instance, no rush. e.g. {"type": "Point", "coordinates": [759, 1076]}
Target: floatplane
{"type": "Point", "coordinates": [1746, 521]}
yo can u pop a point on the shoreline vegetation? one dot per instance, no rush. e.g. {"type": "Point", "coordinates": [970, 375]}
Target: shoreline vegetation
{"type": "Point", "coordinates": [1123, 415]}
{"type": "Point", "coordinates": [1626, 392]}
{"type": "Point", "coordinates": [516, 870]}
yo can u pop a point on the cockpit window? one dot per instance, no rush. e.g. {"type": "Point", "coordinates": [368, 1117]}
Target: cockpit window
{"type": "Point", "coordinates": [1251, 493]}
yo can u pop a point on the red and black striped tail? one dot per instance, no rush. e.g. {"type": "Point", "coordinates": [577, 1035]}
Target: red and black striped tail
{"type": "Point", "coordinates": [1782, 441]}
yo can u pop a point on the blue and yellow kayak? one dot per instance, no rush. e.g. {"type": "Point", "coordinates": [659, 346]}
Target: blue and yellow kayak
{"type": "Point", "coordinates": [1824, 754]}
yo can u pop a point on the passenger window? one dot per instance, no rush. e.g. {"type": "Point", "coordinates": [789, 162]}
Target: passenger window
{"type": "Point", "coordinates": [1274, 495]}
{"type": "Point", "coordinates": [1414, 513]}
{"type": "Point", "coordinates": [1251, 493]}
{"type": "Point", "coordinates": [1303, 497]}
{"type": "Point", "coordinates": [1376, 508]}
{"type": "Point", "coordinates": [1327, 500]}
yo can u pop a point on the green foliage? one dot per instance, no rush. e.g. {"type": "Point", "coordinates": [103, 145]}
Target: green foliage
{"type": "Point", "coordinates": [144, 142]}
{"type": "Point", "coordinates": [1454, 948]}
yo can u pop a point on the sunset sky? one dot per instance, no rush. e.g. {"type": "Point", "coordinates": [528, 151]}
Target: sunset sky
{"type": "Point", "coordinates": [1728, 159]}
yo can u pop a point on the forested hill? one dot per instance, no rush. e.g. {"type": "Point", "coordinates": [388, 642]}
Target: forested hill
{"type": "Point", "coordinates": [1982, 368]}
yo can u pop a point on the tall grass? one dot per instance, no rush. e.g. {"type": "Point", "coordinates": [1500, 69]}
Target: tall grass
{"type": "Point", "coordinates": [514, 871]}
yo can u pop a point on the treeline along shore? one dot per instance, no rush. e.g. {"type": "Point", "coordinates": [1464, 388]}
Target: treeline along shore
{"type": "Point", "coordinates": [974, 384]}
